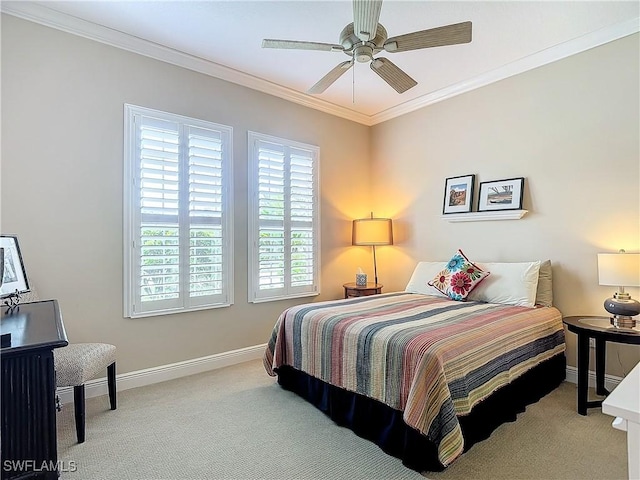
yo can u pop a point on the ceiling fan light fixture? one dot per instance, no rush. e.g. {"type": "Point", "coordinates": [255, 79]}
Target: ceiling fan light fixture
{"type": "Point", "coordinates": [363, 53]}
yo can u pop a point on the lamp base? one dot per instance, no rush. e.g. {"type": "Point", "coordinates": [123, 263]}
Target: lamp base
{"type": "Point", "coordinates": [622, 306]}
{"type": "Point", "coordinates": [622, 321]}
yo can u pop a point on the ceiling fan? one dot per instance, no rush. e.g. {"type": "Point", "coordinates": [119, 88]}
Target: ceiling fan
{"type": "Point", "coordinates": [365, 37]}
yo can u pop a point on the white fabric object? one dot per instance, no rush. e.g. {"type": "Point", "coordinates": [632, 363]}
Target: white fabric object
{"type": "Point", "coordinates": [509, 284]}
{"type": "Point", "coordinates": [422, 275]}
{"type": "Point", "coordinates": [544, 295]}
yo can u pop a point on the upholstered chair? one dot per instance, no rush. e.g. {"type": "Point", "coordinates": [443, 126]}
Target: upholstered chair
{"type": "Point", "coordinates": [77, 363]}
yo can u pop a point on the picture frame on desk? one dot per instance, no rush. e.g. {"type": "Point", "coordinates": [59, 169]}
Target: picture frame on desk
{"type": "Point", "coordinates": [14, 275]}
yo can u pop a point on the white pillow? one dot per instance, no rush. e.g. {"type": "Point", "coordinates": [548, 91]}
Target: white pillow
{"type": "Point", "coordinates": [422, 274]}
{"type": "Point", "coordinates": [544, 295]}
{"type": "Point", "coordinates": [509, 283]}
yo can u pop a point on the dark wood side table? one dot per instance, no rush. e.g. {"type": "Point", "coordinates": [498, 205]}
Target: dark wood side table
{"type": "Point", "coordinates": [353, 290]}
{"type": "Point", "coordinates": [29, 443]}
{"type": "Point", "coordinates": [600, 329]}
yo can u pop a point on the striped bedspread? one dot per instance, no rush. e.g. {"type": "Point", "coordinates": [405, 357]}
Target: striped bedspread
{"type": "Point", "coordinates": [430, 357]}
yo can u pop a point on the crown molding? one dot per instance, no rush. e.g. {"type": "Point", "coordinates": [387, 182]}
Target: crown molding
{"type": "Point", "coordinates": [544, 57]}
{"type": "Point", "coordinates": [43, 15]}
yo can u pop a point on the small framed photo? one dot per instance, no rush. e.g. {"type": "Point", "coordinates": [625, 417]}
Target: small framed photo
{"type": "Point", "coordinates": [14, 276]}
{"type": "Point", "coordinates": [501, 194]}
{"type": "Point", "coordinates": [458, 194]}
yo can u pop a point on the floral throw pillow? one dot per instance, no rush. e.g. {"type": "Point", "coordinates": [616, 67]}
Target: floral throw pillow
{"type": "Point", "coordinates": [459, 277]}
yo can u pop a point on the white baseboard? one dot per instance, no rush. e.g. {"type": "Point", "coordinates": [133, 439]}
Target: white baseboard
{"type": "Point", "coordinates": [149, 376]}
{"type": "Point", "coordinates": [610, 381]}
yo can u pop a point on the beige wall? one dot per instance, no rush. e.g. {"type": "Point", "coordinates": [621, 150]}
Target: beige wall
{"type": "Point", "coordinates": [571, 129]}
{"type": "Point", "coordinates": [62, 134]}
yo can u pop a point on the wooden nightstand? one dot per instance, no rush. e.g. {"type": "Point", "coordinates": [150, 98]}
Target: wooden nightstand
{"type": "Point", "coordinates": [353, 290]}
{"type": "Point", "coordinates": [600, 329]}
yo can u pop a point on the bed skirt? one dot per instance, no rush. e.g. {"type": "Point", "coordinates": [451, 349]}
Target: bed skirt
{"type": "Point", "coordinates": [384, 426]}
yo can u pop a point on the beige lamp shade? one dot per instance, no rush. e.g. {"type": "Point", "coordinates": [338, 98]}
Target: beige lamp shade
{"type": "Point", "coordinates": [372, 231]}
{"type": "Point", "coordinates": [619, 269]}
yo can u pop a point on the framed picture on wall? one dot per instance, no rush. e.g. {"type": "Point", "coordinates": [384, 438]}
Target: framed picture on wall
{"type": "Point", "coordinates": [458, 194]}
{"type": "Point", "coordinates": [501, 194]}
{"type": "Point", "coordinates": [14, 276]}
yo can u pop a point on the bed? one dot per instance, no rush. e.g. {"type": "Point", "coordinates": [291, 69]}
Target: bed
{"type": "Point", "coordinates": [418, 373]}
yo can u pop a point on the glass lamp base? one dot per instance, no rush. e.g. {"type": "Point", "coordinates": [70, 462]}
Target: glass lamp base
{"type": "Point", "coordinates": [621, 321]}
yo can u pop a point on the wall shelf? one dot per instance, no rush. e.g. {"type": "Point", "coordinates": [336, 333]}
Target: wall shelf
{"type": "Point", "coordinates": [485, 216]}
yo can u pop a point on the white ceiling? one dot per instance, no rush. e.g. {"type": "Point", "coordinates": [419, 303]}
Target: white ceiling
{"type": "Point", "coordinates": [223, 38]}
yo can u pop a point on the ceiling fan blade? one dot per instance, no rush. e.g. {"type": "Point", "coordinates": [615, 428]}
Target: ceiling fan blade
{"type": "Point", "coordinates": [391, 73]}
{"type": "Point", "coordinates": [297, 45]}
{"type": "Point", "coordinates": [434, 37]}
{"type": "Point", "coordinates": [326, 81]}
{"type": "Point", "coordinates": [366, 14]}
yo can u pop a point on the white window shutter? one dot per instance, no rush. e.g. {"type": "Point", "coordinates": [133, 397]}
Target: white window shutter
{"type": "Point", "coordinates": [206, 248]}
{"type": "Point", "coordinates": [271, 218]}
{"type": "Point", "coordinates": [284, 219]}
{"type": "Point", "coordinates": [156, 240]}
{"type": "Point", "coordinates": [178, 236]}
{"type": "Point", "coordinates": [302, 212]}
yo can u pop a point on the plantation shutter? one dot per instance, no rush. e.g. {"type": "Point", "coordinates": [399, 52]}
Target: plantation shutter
{"type": "Point", "coordinates": [284, 219]}
{"type": "Point", "coordinates": [158, 240]}
{"type": "Point", "coordinates": [180, 257]}
{"type": "Point", "coordinates": [272, 245]}
{"type": "Point", "coordinates": [302, 210]}
{"type": "Point", "coordinates": [205, 215]}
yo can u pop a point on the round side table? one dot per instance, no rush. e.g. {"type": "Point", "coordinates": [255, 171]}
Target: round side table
{"type": "Point", "coordinates": [353, 290]}
{"type": "Point", "coordinates": [600, 329]}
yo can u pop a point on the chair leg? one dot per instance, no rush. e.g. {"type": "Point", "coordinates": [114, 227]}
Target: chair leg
{"type": "Point", "coordinates": [78, 403]}
{"type": "Point", "coordinates": [111, 380]}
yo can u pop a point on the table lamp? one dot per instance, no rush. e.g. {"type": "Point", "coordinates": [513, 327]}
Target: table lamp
{"type": "Point", "coordinates": [373, 232]}
{"type": "Point", "coordinates": [620, 270]}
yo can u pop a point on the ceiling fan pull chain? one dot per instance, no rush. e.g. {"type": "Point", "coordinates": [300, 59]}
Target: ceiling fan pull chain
{"type": "Point", "coordinates": [353, 85]}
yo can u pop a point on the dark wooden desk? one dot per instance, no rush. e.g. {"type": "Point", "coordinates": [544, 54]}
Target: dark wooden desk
{"type": "Point", "coordinates": [29, 445]}
{"type": "Point", "coordinates": [600, 329]}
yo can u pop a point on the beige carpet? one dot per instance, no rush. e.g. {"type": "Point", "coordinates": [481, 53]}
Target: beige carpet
{"type": "Point", "coordinates": [236, 423]}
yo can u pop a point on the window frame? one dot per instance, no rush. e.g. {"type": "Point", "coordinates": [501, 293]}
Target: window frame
{"type": "Point", "coordinates": [253, 139]}
{"type": "Point", "coordinates": [132, 214]}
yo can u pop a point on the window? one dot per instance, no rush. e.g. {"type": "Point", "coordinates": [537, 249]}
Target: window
{"type": "Point", "coordinates": [284, 218]}
{"type": "Point", "coordinates": [177, 231]}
